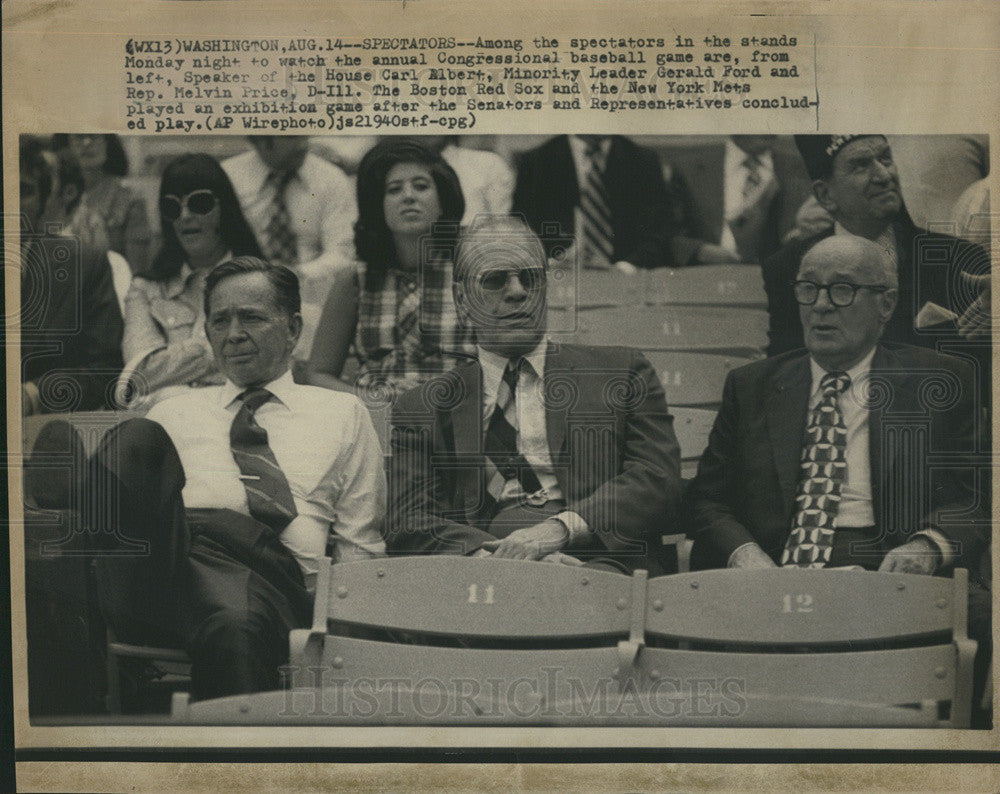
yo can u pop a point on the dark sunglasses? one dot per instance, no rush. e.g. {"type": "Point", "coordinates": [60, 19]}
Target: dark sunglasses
{"type": "Point", "coordinates": [200, 202]}
{"type": "Point", "coordinates": [531, 278]}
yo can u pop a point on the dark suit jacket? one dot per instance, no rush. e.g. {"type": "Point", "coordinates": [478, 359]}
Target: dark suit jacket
{"type": "Point", "coordinates": [929, 267]}
{"type": "Point", "coordinates": [923, 433]}
{"type": "Point", "coordinates": [71, 325]}
{"type": "Point", "coordinates": [698, 180]}
{"type": "Point", "coordinates": [615, 454]}
{"type": "Point", "coordinates": [642, 217]}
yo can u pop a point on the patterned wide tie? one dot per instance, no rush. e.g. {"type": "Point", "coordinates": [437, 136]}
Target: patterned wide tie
{"type": "Point", "coordinates": [280, 245]}
{"type": "Point", "coordinates": [501, 437]}
{"type": "Point", "coordinates": [597, 249]}
{"type": "Point", "coordinates": [268, 493]}
{"type": "Point", "coordinates": [823, 469]}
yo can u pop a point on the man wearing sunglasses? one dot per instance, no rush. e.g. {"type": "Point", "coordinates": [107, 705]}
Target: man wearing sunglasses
{"type": "Point", "coordinates": [819, 458]}
{"type": "Point", "coordinates": [534, 450]}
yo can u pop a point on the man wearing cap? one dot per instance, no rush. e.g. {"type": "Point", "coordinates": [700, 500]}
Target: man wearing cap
{"type": "Point", "coordinates": [939, 277]}
{"type": "Point", "coordinates": [532, 450]}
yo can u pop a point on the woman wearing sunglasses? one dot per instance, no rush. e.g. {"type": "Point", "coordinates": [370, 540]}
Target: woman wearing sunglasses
{"type": "Point", "coordinates": [165, 347]}
{"type": "Point", "coordinates": [399, 314]}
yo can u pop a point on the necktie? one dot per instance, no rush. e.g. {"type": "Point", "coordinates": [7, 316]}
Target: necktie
{"type": "Point", "coordinates": [823, 469]}
{"type": "Point", "coordinates": [598, 237]}
{"type": "Point", "coordinates": [501, 438]}
{"type": "Point", "coordinates": [268, 494]}
{"type": "Point", "coordinates": [280, 245]}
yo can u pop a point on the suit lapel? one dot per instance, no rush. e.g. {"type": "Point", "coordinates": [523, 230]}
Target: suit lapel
{"type": "Point", "coordinates": [467, 426]}
{"type": "Point", "coordinates": [557, 363]}
{"type": "Point", "coordinates": [884, 367]}
{"type": "Point", "coordinates": [786, 423]}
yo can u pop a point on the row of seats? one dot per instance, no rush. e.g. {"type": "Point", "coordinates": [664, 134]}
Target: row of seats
{"type": "Point", "coordinates": [453, 640]}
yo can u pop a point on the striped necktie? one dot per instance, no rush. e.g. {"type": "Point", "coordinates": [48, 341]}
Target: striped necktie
{"type": "Point", "coordinates": [501, 437]}
{"type": "Point", "coordinates": [280, 245]}
{"type": "Point", "coordinates": [598, 237]}
{"type": "Point", "coordinates": [822, 472]}
{"type": "Point", "coordinates": [268, 492]}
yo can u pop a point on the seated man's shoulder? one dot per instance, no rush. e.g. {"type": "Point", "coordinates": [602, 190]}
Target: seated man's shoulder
{"type": "Point", "coordinates": [601, 356]}
{"type": "Point", "coordinates": [184, 404]}
{"type": "Point", "coordinates": [328, 400]}
{"type": "Point", "coordinates": [910, 357]}
{"type": "Point", "coordinates": [443, 391]}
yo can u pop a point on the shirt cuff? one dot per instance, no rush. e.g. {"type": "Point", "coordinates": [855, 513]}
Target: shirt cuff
{"type": "Point", "coordinates": [729, 562]}
{"type": "Point", "coordinates": [575, 526]}
{"type": "Point", "coordinates": [941, 543]}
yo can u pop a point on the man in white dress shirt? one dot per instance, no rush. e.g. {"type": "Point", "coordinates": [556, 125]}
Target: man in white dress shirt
{"type": "Point", "coordinates": [302, 210]}
{"type": "Point", "coordinates": [241, 489]}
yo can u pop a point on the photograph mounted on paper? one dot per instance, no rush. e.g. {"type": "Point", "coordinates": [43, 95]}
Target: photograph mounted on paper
{"type": "Point", "coordinates": [506, 430]}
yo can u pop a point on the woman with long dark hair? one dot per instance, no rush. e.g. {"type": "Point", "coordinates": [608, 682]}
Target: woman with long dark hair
{"type": "Point", "coordinates": [106, 200]}
{"type": "Point", "coordinates": [165, 345]}
{"type": "Point", "coordinates": [399, 314]}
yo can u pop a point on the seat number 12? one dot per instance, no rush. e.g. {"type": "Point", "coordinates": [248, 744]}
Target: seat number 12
{"type": "Point", "coordinates": [797, 603]}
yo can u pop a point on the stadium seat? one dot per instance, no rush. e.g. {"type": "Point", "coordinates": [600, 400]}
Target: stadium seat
{"type": "Point", "coordinates": [693, 378]}
{"type": "Point", "coordinates": [727, 330]}
{"type": "Point", "coordinates": [452, 640]}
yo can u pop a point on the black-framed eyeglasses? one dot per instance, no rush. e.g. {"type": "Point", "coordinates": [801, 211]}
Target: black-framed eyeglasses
{"type": "Point", "coordinates": [531, 278]}
{"type": "Point", "coordinates": [200, 202]}
{"type": "Point", "coordinates": [841, 293]}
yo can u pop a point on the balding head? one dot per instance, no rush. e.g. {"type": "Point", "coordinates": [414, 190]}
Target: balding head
{"type": "Point", "coordinates": [839, 336]}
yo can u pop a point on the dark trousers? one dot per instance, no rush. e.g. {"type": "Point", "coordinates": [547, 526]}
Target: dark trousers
{"type": "Point", "coordinates": [218, 582]}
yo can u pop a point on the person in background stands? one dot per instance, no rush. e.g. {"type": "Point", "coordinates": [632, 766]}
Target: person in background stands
{"type": "Point", "coordinates": [401, 316]}
{"type": "Point", "coordinates": [301, 208]}
{"type": "Point", "coordinates": [607, 194]}
{"type": "Point", "coordinates": [165, 346]}
{"type": "Point", "coordinates": [743, 194]}
{"type": "Point", "coordinates": [106, 200]}
{"type": "Point", "coordinates": [856, 181]}
{"type": "Point", "coordinates": [70, 322]}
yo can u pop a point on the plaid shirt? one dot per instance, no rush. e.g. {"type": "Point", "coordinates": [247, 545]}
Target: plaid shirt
{"type": "Point", "coordinates": [404, 327]}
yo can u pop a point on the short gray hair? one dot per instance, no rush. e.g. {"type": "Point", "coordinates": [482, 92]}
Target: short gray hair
{"type": "Point", "coordinates": [490, 233]}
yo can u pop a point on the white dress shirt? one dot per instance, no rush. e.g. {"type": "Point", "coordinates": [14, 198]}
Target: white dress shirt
{"type": "Point", "coordinates": [321, 206]}
{"type": "Point", "coordinates": [324, 443]}
{"type": "Point", "coordinates": [856, 509]}
{"type": "Point", "coordinates": [487, 183]}
{"type": "Point", "coordinates": [532, 436]}
{"type": "Point", "coordinates": [734, 179]}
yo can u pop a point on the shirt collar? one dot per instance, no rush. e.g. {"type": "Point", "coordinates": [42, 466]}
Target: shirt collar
{"type": "Point", "coordinates": [282, 387]}
{"type": "Point", "coordinates": [579, 147]}
{"type": "Point", "coordinates": [735, 157]}
{"type": "Point", "coordinates": [857, 373]}
{"type": "Point", "coordinates": [264, 172]}
{"type": "Point", "coordinates": [493, 366]}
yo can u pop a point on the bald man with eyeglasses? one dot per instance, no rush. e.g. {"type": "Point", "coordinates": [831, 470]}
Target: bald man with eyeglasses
{"type": "Point", "coordinates": [533, 450]}
{"type": "Point", "coordinates": [850, 452]}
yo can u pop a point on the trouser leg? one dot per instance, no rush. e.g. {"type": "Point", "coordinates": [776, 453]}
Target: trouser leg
{"type": "Point", "coordinates": [135, 514]}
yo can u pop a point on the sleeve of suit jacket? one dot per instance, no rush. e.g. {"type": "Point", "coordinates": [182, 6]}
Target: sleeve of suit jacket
{"type": "Point", "coordinates": [99, 344]}
{"type": "Point", "coordinates": [710, 502]}
{"type": "Point", "coordinates": [644, 495]}
{"type": "Point", "coordinates": [420, 516]}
